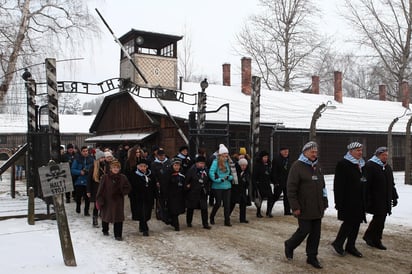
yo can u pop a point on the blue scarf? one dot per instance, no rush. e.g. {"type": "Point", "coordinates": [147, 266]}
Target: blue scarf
{"type": "Point", "coordinates": [162, 162]}
{"type": "Point", "coordinates": [305, 160]}
{"type": "Point", "coordinates": [377, 161]}
{"type": "Point", "coordinates": [148, 172]}
{"type": "Point", "coordinates": [350, 158]}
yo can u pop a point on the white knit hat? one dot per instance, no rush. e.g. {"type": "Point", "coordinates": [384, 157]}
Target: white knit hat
{"type": "Point", "coordinates": [242, 161]}
{"type": "Point", "coordinates": [223, 149]}
{"type": "Point", "coordinates": [108, 154]}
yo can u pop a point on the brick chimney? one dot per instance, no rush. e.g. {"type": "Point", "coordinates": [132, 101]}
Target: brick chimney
{"type": "Point", "coordinates": [405, 94]}
{"type": "Point", "coordinates": [338, 86]}
{"type": "Point", "coordinates": [246, 75]}
{"type": "Point", "coordinates": [226, 74]}
{"type": "Point", "coordinates": [382, 92]}
{"type": "Point", "coordinates": [315, 84]}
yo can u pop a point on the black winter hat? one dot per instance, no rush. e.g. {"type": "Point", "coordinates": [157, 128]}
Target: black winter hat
{"type": "Point", "coordinates": [200, 158]}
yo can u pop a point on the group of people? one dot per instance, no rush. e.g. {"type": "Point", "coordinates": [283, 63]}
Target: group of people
{"type": "Point", "coordinates": [359, 187]}
{"type": "Point", "coordinates": [177, 185]}
{"type": "Point", "coordinates": [172, 186]}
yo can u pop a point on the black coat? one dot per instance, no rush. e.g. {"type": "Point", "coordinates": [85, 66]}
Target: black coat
{"type": "Point", "coordinates": [380, 189]}
{"type": "Point", "coordinates": [262, 179]}
{"type": "Point", "coordinates": [349, 192]}
{"type": "Point", "coordinates": [280, 170]}
{"type": "Point", "coordinates": [240, 190]}
{"type": "Point", "coordinates": [142, 195]}
{"type": "Point", "coordinates": [196, 194]}
{"type": "Point", "coordinates": [92, 185]}
{"type": "Point", "coordinates": [172, 192]}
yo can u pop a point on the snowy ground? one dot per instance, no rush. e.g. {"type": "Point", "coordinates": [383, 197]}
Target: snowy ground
{"type": "Point", "coordinates": [256, 247]}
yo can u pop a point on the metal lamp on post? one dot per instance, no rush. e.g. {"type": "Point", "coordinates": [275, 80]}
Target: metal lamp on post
{"type": "Point", "coordinates": [389, 138]}
{"type": "Point", "coordinates": [31, 127]}
{"type": "Point", "coordinates": [316, 115]}
{"type": "Point", "coordinates": [201, 109]}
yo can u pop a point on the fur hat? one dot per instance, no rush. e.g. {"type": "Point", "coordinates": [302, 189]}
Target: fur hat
{"type": "Point", "coordinates": [380, 150]}
{"type": "Point", "coordinates": [99, 154]}
{"type": "Point", "coordinates": [223, 149]}
{"type": "Point", "coordinates": [108, 154]}
{"type": "Point", "coordinates": [242, 151]}
{"type": "Point", "coordinates": [309, 145]}
{"type": "Point", "coordinates": [354, 145]}
{"type": "Point", "coordinates": [242, 161]}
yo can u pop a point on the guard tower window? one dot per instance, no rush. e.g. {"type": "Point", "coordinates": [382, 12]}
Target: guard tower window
{"type": "Point", "coordinates": [146, 51]}
{"type": "Point", "coordinates": [129, 46]}
{"type": "Point", "coordinates": [167, 51]}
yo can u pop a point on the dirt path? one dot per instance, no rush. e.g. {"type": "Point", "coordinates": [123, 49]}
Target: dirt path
{"type": "Point", "coordinates": [256, 247]}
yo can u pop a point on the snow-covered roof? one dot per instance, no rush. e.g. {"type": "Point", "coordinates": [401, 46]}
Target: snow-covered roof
{"type": "Point", "coordinates": [293, 109]}
{"type": "Point", "coordinates": [120, 137]}
{"type": "Point", "coordinates": [17, 123]}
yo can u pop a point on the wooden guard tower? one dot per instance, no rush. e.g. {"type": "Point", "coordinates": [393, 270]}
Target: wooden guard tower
{"type": "Point", "coordinates": [155, 54]}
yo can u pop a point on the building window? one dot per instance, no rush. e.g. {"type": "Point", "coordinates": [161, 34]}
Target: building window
{"type": "Point", "coordinates": [239, 139]}
{"type": "Point", "coordinates": [398, 147]}
{"type": "Point", "coordinates": [167, 51]}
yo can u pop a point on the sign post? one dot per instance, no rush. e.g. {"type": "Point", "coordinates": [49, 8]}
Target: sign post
{"type": "Point", "coordinates": [55, 180]}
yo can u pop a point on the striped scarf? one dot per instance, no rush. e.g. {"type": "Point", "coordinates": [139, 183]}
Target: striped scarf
{"type": "Point", "coordinates": [352, 159]}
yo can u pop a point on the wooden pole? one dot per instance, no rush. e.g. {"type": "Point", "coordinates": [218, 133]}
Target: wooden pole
{"type": "Point", "coordinates": [30, 213]}
{"type": "Point", "coordinates": [64, 232]}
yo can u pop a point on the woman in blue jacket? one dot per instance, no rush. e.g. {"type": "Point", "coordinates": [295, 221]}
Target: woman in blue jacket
{"type": "Point", "coordinates": [220, 174]}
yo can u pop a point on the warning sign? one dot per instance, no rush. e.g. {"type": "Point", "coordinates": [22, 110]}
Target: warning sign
{"type": "Point", "coordinates": [55, 179]}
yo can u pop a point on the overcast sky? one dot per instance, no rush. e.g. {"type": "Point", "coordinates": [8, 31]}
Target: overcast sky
{"type": "Point", "coordinates": [212, 26]}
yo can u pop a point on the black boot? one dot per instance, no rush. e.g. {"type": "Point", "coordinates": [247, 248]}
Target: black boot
{"type": "Point", "coordinates": [95, 222]}
{"type": "Point", "coordinates": [258, 214]}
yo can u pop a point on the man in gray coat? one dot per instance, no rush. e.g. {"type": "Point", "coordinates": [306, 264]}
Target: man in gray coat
{"type": "Point", "coordinates": [308, 200]}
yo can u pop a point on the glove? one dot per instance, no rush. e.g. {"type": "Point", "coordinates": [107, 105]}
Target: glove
{"type": "Point", "coordinates": [394, 202]}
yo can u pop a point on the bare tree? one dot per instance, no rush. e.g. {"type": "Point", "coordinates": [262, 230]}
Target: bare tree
{"type": "Point", "coordinates": [69, 103]}
{"type": "Point", "coordinates": [186, 57]}
{"type": "Point", "coordinates": [385, 26]}
{"type": "Point", "coordinates": [31, 29]}
{"type": "Point", "coordinates": [280, 40]}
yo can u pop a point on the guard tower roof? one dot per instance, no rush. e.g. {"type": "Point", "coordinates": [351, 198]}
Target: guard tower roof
{"type": "Point", "coordinates": [151, 40]}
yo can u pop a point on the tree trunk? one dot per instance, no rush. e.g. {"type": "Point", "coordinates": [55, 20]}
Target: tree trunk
{"type": "Point", "coordinates": [11, 64]}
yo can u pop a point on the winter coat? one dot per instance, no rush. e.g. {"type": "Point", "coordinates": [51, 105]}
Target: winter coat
{"type": "Point", "coordinates": [380, 188]}
{"type": "Point", "coordinates": [280, 170]}
{"type": "Point", "coordinates": [143, 194]}
{"type": "Point", "coordinates": [349, 192]}
{"type": "Point", "coordinates": [221, 180]}
{"type": "Point", "coordinates": [159, 168]}
{"type": "Point", "coordinates": [196, 194]}
{"type": "Point", "coordinates": [110, 197]}
{"type": "Point", "coordinates": [262, 179]}
{"type": "Point", "coordinates": [172, 192]}
{"type": "Point", "coordinates": [240, 191]}
{"type": "Point", "coordinates": [79, 164]}
{"type": "Point", "coordinates": [305, 193]}
{"type": "Point", "coordinates": [92, 185]}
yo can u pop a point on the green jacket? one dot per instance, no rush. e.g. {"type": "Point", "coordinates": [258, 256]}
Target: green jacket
{"type": "Point", "coordinates": [306, 191]}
